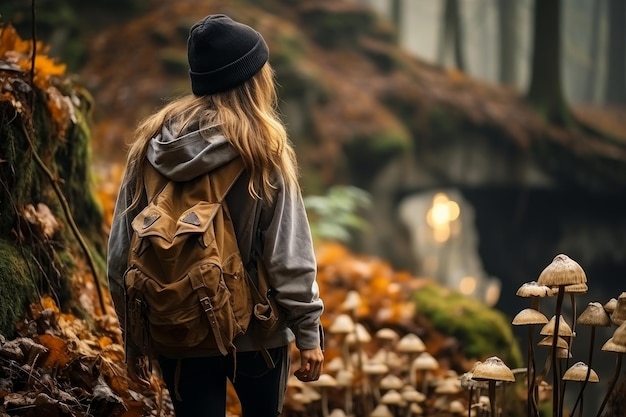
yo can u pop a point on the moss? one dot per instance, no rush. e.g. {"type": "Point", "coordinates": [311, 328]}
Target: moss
{"type": "Point", "coordinates": [17, 286]}
{"type": "Point", "coordinates": [336, 28]}
{"type": "Point", "coordinates": [480, 330]}
{"type": "Point", "coordinates": [368, 154]}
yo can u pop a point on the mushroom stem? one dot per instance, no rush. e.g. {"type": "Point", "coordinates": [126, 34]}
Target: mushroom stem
{"type": "Point", "coordinates": [611, 386]}
{"type": "Point", "coordinates": [492, 397]}
{"type": "Point", "coordinates": [530, 372]}
{"type": "Point", "coordinates": [555, 373]}
{"type": "Point", "coordinates": [469, 404]}
{"type": "Point", "coordinates": [584, 384]}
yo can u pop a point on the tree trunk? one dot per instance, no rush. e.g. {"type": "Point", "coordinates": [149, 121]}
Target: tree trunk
{"type": "Point", "coordinates": [396, 18]}
{"type": "Point", "coordinates": [451, 34]}
{"type": "Point", "coordinates": [616, 71]}
{"type": "Point", "coordinates": [507, 25]}
{"type": "Point", "coordinates": [594, 52]}
{"type": "Point", "coordinates": [545, 92]}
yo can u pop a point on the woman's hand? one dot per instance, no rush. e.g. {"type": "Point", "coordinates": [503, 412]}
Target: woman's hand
{"type": "Point", "coordinates": [311, 361]}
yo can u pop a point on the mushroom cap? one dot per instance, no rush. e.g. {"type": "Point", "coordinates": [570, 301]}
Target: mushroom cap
{"type": "Point", "coordinates": [323, 381]}
{"type": "Point", "coordinates": [392, 397]}
{"type": "Point", "coordinates": [391, 382]}
{"type": "Point", "coordinates": [337, 412]}
{"type": "Point", "coordinates": [361, 333]}
{"type": "Point", "coordinates": [578, 372]}
{"type": "Point", "coordinates": [344, 378]}
{"type": "Point", "coordinates": [619, 336]}
{"type": "Point", "coordinates": [456, 407]}
{"type": "Point", "coordinates": [563, 353]}
{"type": "Point", "coordinates": [381, 410]}
{"type": "Point", "coordinates": [580, 288]}
{"type": "Point", "coordinates": [449, 386]}
{"type": "Point", "coordinates": [618, 316]}
{"type": "Point", "coordinates": [412, 395]}
{"type": "Point", "coordinates": [410, 343]}
{"type": "Point", "coordinates": [352, 301]}
{"type": "Point", "coordinates": [529, 316]}
{"type": "Point", "coordinates": [425, 362]}
{"type": "Point", "coordinates": [416, 410]}
{"type": "Point", "coordinates": [562, 271]}
{"type": "Point", "coordinates": [548, 340]}
{"type": "Point", "coordinates": [342, 324]}
{"type": "Point", "coordinates": [375, 368]}
{"type": "Point", "coordinates": [335, 364]}
{"type": "Point", "coordinates": [532, 289]}
{"type": "Point", "coordinates": [594, 315]}
{"type": "Point", "coordinates": [564, 328]}
{"type": "Point", "coordinates": [493, 369]}
{"type": "Point", "coordinates": [611, 346]}
{"type": "Point", "coordinates": [387, 334]}
{"type": "Point", "coordinates": [610, 305]}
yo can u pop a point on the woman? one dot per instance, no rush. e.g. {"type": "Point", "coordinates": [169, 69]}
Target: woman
{"type": "Point", "coordinates": [231, 113]}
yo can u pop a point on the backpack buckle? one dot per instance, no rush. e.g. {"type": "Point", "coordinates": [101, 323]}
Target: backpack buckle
{"type": "Point", "coordinates": [206, 304]}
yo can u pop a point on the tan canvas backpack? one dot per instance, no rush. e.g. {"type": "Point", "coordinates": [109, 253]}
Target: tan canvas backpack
{"type": "Point", "coordinates": [187, 290]}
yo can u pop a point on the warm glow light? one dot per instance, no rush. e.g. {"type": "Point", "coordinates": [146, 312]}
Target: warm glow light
{"type": "Point", "coordinates": [440, 216]}
{"type": "Point", "coordinates": [467, 285]}
{"type": "Point", "coordinates": [492, 294]}
{"type": "Point", "coordinates": [442, 233]}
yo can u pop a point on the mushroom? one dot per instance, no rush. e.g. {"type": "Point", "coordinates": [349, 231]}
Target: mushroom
{"type": "Point", "coordinates": [424, 363]}
{"type": "Point", "coordinates": [375, 372]}
{"type": "Point", "coordinates": [610, 305]}
{"type": "Point", "coordinates": [595, 316]}
{"type": "Point", "coordinates": [582, 373]}
{"type": "Point", "coordinates": [390, 382]}
{"type": "Point", "coordinates": [324, 382]}
{"type": "Point", "coordinates": [561, 272]}
{"type": "Point", "coordinates": [392, 399]}
{"type": "Point", "coordinates": [337, 412]}
{"type": "Point", "coordinates": [493, 370]}
{"type": "Point", "coordinates": [381, 410]}
{"type": "Point", "coordinates": [387, 337]}
{"type": "Point", "coordinates": [618, 316]}
{"type": "Point", "coordinates": [411, 345]}
{"type": "Point", "coordinates": [345, 379]}
{"type": "Point", "coordinates": [456, 408]}
{"type": "Point", "coordinates": [342, 326]}
{"type": "Point", "coordinates": [470, 384]}
{"type": "Point", "coordinates": [616, 344]}
{"type": "Point", "coordinates": [530, 317]}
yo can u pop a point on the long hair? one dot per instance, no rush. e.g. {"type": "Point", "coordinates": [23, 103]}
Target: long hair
{"type": "Point", "coordinates": [246, 115]}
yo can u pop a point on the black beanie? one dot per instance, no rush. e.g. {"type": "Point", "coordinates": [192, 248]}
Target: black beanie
{"type": "Point", "coordinates": [223, 54]}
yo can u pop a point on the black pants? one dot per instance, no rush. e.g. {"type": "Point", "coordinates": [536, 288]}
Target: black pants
{"type": "Point", "coordinates": [201, 383]}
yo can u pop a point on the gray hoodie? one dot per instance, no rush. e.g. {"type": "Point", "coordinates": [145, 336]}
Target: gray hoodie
{"type": "Point", "coordinates": [282, 231]}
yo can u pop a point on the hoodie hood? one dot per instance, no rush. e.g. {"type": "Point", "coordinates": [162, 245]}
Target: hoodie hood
{"type": "Point", "coordinates": [181, 158]}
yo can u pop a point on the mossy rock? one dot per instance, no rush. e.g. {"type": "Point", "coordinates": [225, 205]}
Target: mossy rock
{"type": "Point", "coordinates": [337, 25]}
{"type": "Point", "coordinates": [46, 160]}
{"type": "Point", "coordinates": [367, 154]}
{"type": "Point", "coordinates": [17, 286]}
{"type": "Point", "coordinates": [481, 330]}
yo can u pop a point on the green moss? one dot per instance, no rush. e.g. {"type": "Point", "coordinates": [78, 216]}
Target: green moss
{"type": "Point", "coordinates": [334, 28]}
{"type": "Point", "coordinates": [480, 330]}
{"type": "Point", "coordinates": [368, 154]}
{"type": "Point", "coordinates": [17, 286]}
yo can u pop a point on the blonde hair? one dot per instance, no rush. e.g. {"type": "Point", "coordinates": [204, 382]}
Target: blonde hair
{"type": "Point", "coordinates": [246, 115]}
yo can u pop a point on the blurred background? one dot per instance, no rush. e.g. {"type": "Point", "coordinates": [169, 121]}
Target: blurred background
{"type": "Point", "coordinates": [464, 141]}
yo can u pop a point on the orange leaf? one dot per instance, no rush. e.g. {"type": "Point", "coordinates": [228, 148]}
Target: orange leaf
{"type": "Point", "coordinates": [57, 351]}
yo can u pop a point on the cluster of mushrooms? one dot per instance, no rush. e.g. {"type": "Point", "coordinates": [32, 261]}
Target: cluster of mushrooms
{"type": "Point", "coordinates": [401, 379]}
{"type": "Point", "coordinates": [565, 276]}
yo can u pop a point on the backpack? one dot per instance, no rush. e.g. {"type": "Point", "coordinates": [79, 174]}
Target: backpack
{"type": "Point", "coordinates": [187, 290]}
